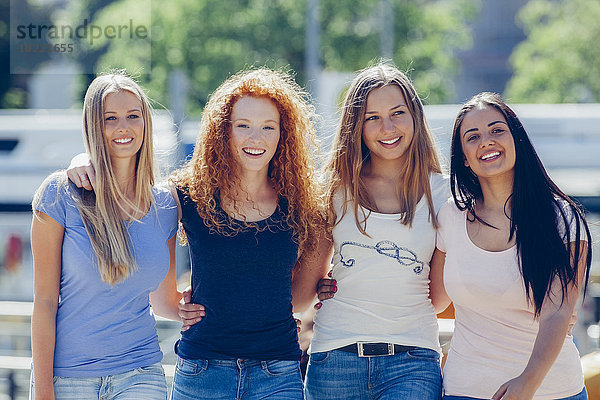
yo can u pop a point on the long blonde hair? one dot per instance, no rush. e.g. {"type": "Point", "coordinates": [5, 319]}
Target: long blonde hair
{"type": "Point", "coordinates": [350, 153]}
{"type": "Point", "coordinates": [210, 175]}
{"type": "Point", "coordinates": [102, 209]}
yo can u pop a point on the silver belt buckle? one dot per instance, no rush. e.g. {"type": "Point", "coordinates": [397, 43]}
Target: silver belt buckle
{"type": "Point", "coordinates": [361, 350]}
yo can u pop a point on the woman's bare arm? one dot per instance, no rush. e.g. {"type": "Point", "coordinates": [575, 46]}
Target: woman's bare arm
{"type": "Point", "coordinates": [46, 245]}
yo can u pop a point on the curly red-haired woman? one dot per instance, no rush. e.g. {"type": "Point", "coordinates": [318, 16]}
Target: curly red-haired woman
{"type": "Point", "coordinates": [252, 215]}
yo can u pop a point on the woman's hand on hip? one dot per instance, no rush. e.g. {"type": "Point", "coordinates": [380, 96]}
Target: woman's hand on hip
{"type": "Point", "coordinates": [190, 313]}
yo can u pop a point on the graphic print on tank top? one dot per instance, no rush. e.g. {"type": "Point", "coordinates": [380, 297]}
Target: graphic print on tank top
{"type": "Point", "coordinates": [387, 248]}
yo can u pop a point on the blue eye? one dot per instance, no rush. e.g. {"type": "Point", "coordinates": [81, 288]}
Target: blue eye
{"type": "Point", "coordinates": [269, 127]}
{"type": "Point", "coordinates": [242, 126]}
{"type": "Point", "coordinates": [109, 118]}
{"type": "Point", "coordinates": [133, 116]}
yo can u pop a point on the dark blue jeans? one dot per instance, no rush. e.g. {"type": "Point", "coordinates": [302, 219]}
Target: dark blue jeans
{"type": "Point", "coordinates": [237, 379]}
{"type": "Point", "coordinates": [338, 375]}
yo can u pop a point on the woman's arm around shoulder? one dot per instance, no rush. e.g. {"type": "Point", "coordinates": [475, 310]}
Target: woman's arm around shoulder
{"type": "Point", "coordinates": [437, 291]}
{"type": "Point", "coordinates": [81, 171]}
{"type": "Point", "coordinates": [46, 245]}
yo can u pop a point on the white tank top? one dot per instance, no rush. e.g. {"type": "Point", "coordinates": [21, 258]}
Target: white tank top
{"type": "Point", "coordinates": [382, 280]}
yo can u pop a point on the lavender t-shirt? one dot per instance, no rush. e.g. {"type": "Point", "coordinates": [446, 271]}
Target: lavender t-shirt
{"type": "Point", "coordinates": [103, 330]}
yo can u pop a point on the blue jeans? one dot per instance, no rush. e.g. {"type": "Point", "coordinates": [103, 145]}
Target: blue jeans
{"type": "Point", "coordinates": [581, 396]}
{"type": "Point", "coordinates": [237, 379]}
{"type": "Point", "coordinates": [414, 374]}
{"type": "Point", "coordinates": [140, 383]}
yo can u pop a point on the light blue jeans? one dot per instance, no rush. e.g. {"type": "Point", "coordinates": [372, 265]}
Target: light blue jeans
{"type": "Point", "coordinates": [338, 375]}
{"type": "Point", "coordinates": [237, 379]}
{"type": "Point", "coordinates": [146, 383]}
{"type": "Point", "coordinates": [581, 396]}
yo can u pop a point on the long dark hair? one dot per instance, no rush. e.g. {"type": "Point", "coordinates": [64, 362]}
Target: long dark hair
{"type": "Point", "coordinates": [541, 214]}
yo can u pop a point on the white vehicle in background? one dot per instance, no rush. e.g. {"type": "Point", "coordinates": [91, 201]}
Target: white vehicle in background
{"type": "Point", "coordinates": [34, 143]}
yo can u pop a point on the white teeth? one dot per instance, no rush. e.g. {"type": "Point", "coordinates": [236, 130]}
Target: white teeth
{"type": "Point", "coordinates": [255, 152]}
{"type": "Point", "coordinates": [391, 141]}
{"type": "Point", "coordinates": [123, 140]}
{"type": "Point", "coordinates": [490, 155]}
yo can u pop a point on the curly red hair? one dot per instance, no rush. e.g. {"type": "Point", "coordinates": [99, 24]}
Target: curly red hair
{"type": "Point", "coordinates": [210, 175]}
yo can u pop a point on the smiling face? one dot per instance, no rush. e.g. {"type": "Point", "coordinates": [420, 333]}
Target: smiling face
{"type": "Point", "coordinates": [388, 127]}
{"type": "Point", "coordinates": [254, 132]}
{"type": "Point", "coordinates": [123, 124]}
{"type": "Point", "coordinates": [487, 143]}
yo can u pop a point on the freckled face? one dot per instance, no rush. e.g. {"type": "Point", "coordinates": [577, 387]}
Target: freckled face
{"type": "Point", "coordinates": [254, 132]}
{"type": "Point", "coordinates": [487, 143]}
{"type": "Point", "coordinates": [388, 127]}
{"type": "Point", "coordinates": [123, 124]}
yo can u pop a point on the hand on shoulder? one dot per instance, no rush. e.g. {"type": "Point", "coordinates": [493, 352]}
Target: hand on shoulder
{"type": "Point", "coordinates": [81, 172]}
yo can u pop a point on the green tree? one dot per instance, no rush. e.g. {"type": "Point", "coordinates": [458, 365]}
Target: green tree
{"type": "Point", "coordinates": [89, 55]}
{"type": "Point", "coordinates": [210, 40]}
{"type": "Point", "coordinates": [559, 62]}
{"type": "Point", "coordinates": [426, 35]}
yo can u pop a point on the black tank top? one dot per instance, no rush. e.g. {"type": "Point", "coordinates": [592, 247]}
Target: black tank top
{"type": "Point", "coordinates": [244, 281]}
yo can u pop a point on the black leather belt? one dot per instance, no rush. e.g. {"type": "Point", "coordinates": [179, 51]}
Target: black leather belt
{"type": "Point", "coordinates": [363, 349]}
